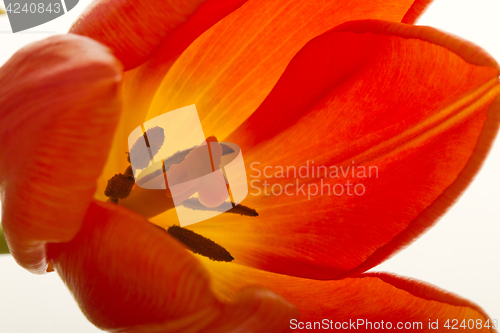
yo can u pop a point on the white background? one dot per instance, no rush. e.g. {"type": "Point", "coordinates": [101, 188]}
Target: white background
{"type": "Point", "coordinates": [460, 254]}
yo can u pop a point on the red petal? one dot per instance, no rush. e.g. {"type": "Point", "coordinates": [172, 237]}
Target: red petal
{"type": "Point", "coordinates": [60, 106]}
{"type": "Point", "coordinates": [135, 30]}
{"type": "Point", "coordinates": [396, 99]}
{"type": "Point", "coordinates": [130, 276]}
{"type": "Point", "coordinates": [372, 297]}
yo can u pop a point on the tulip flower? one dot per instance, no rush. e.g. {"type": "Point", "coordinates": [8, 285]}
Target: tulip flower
{"type": "Point", "coordinates": [337, 83]}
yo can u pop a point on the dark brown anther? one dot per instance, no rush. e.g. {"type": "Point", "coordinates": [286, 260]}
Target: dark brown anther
{"type": "Point", "coordinates": [119, 187]}
{"type": "Point", "coordinates": [194, 203]}
{"type": "Point", "coordinates": [199, 244]}
{"type": "Point", "coordinates": [243, 210]}
{"type": "Point", "coordinates": [226, 150]}
{"type": "Point", "coordinates": [154, 138]}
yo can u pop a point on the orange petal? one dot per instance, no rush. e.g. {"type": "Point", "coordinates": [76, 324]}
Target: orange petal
{"type": "Point", "coordinates": [412, 107]}
{"type": "Point", "coordinates": [141, 83]}
{"type": "Point", "coordinates": [60, 105]}
{"type": "Point", "coordinates": [133, 31]}
{"type": "Point", "coordinates": [130, 276]}
{"type": "Point", "coordinates": [231, 68]}
{"type": "Point", "coordinates": [416, 10]}
{"type": "Point", "coordinates": [371, 297]}
{"type": "Point", "coordinates": [228, 71]}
